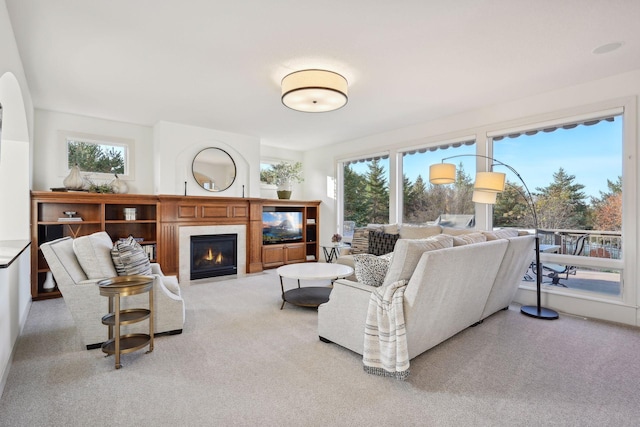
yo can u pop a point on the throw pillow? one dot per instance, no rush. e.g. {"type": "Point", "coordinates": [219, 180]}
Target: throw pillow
{"type": "Point", "coordinates": [370, 269]}
{"type": "Point", "coordinates": [419, 231]}
{"type": "Point", "coordinates": [94, 255]}
{"type": "Point", "coordinates": [129, 258]}
{"type": "Point", "coordinates": [469, 239]}
{"type": "Point", "coordinates": [407, 253]}
{"type": "Point", "coordinates": [381, 243]}
{"type": "Point", "coordinates": [360, 241]}
{"type": "Point", "coordinates": [503, 233]}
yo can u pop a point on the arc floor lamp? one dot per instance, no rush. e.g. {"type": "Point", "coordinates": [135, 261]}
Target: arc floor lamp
{"type": "Point", "coordinates": [485, 190]}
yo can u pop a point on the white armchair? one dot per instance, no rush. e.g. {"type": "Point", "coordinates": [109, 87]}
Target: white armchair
{"type": "Point", "coordinates": [82, 297]}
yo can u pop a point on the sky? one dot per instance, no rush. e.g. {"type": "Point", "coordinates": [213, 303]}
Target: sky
{"type": "Point", "coordinates": [592, 153]}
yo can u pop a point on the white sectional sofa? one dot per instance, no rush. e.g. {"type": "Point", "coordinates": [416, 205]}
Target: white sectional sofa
{"type": "Point", "coordinates": [448, 290]}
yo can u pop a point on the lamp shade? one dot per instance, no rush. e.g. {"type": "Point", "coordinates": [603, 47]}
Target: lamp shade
{"type": "Point", "coordinates": [442, 173]}
{"type": "Point", "coordinates": [488, 197]}
{"type": "Point", "coordinates": [314, 91]}
{"type": "Point", "coordinates": [489, 181]}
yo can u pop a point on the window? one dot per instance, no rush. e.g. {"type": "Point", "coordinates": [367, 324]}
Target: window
{"type": "Point", "coordinates": [99, 156]}
{"type": "Point", "coordinates": [448, 205]}
{"type": "Point", "coordinates": [574, 173]}
{"type": "Point", "coordinates": [366, 190]}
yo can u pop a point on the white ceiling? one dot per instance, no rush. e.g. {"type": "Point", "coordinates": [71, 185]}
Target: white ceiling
{"type": "Point", "coordinates": [218, 63]}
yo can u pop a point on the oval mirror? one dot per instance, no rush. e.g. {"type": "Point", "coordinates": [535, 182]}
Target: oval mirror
{"type": "Point", "coordinates": [214, 169]}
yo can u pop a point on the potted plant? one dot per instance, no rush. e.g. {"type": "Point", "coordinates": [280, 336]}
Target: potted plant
{"type": "Point", "coordinates": [283, 175]}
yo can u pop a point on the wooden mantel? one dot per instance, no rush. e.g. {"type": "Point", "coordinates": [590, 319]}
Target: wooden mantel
{"type": "Point", "coordinates": [177, 211]}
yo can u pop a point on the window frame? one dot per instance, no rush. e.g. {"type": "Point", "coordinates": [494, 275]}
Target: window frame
{"type": "Point", "coordinates": [628, 272]}
{"type": "Point", "coordinates": [127, 143]}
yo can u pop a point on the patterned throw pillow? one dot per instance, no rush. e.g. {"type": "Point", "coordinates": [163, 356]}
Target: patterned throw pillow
{"type": "Point", "coordinates": [382, 243]}
{"type": "Point", "coordinates": [360, 241]}
{"type": "Point", "coordinates": [129, 258]}
{"type": "Point", "coordinates": [371, 269]}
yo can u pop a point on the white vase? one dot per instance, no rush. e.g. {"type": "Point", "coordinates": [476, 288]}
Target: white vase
{"type": "Point", "coordinates": [49, 284]}
{"type": "Point", "coordinates": [74, 180]}
{"type": "Point", "coordinates": [119, 186]}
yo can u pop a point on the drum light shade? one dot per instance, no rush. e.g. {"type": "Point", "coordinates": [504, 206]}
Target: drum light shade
{"type": "Point", "coordinates": [314, 91]}
{"type": "Point", "coordinates": [488, 197]}
{"type": "Point", "coordinates": [442, 173]}
{"type": "Point", "coordinates": [489, 181]}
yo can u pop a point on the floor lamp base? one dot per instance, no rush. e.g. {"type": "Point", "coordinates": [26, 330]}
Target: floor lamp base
{"type": "Point", "coordinates": [538, 312]}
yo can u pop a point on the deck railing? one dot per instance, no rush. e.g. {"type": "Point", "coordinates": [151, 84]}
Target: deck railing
{"type": "Point", "coordinates": [599, 244]}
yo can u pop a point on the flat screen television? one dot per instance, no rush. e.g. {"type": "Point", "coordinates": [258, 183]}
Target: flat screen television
{"type": "Point", "coordinates": [281, 227]}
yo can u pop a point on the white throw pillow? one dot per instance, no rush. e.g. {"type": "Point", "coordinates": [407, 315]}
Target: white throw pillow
{"type": "Point", "coordinates": [370, 269]}
{"type": "Point", "coordinates": [419, 231]}
{"type": "Point", "coordinates": [469, 239]}
{"type": "Point", "coordinates": [504, 233]}
{"type": "Point", "coordinates": [407, 253]}
{"type": "Point", "coordinates": [94, 255]}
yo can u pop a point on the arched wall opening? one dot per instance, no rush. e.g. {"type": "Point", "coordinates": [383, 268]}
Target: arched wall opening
{"type": "Point", "coordinates": [14, 161]}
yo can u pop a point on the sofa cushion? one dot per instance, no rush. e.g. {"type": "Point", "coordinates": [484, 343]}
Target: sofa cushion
{"type": "Point", "coordinates": [129, 258]}
{"type": "Point", "coordinates": [419, 231]}
{"type": "Point", "coordinates": [503, 233]}
{"type": "Point", "coordinates": [457, 231]}
{"type": "Point", "coordinates": [407, 253]}
{"type": "Point", "coordinates": [391, 228]}
{"type": "Point", "coordinates": [468, 239]}
{"type": "Point", "coordinates": [94, 255]}
{"type": "Point", "coordinates": [371, 269]}
{"type": "Point", "coordinates": [381, 243]}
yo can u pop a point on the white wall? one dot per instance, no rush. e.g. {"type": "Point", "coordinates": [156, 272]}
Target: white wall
{"type": "Point", "coordinates": [14, 190]}
{"type": "Point", "coordinates": [15, 300]}
{"type": "Point", "coordinates": [321, 163]}
{"type": "Point", "coordinates": [276, 155]}
{"type": "Point", "coordinates": [49, 149]}
{"type": "Point", "coordinates": [176, 145]}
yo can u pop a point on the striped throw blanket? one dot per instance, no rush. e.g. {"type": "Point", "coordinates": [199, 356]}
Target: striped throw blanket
{"type": "Point", "coordinates": [385, 339]}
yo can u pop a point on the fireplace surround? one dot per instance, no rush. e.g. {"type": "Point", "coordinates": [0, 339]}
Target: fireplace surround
{"type": "Point", "coordinates": [185, 257]}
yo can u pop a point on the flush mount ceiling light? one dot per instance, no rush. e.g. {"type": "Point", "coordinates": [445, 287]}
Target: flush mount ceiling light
{"type": "Point", "coordinates": [314, 91]}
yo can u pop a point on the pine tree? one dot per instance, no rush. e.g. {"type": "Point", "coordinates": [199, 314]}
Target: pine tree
{"type": "Point", "coordinates": [377, 194]}
{"type": "Point", "coordinates": [355, 204]}
{"type": "Point", "coordinates": [461, 202]}
{"type": "Point", "coordinates": [512, 209]}
{"type": "Point", "coordinates": [561, 205]}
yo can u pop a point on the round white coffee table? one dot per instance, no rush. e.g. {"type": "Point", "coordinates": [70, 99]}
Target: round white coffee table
{"type": "Point", "coordinates": [310, 296]}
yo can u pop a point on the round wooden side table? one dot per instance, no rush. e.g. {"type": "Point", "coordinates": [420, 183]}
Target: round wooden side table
{"type": "Point", "coordinates": [123, 286]}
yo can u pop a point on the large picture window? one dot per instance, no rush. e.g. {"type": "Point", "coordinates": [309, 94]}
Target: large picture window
{"type": "Point", "coordinates": [574, 172]}
{"type": "Point", "coordinates": [366, 191]}
{"type": "Point", "coordinates": [448, 205]}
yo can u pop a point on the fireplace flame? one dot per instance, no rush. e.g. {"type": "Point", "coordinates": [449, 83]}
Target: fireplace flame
{"type": "Point", "coordinates": [217, 259]}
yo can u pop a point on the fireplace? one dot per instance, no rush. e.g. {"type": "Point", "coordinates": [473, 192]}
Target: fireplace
{"type": "Point", "coordinates": [213, 255]}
